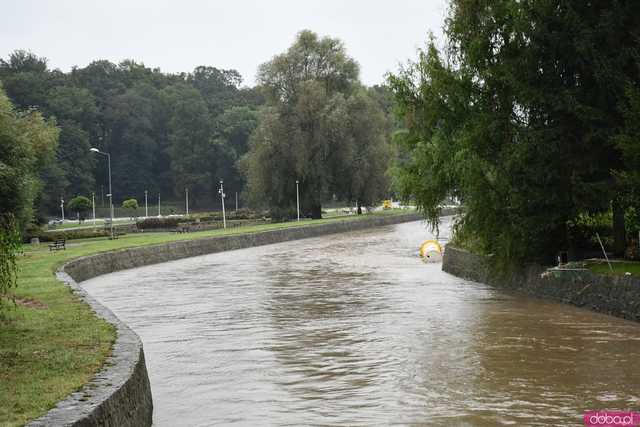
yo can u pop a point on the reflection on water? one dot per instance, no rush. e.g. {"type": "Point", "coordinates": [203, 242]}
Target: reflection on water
{"type": "Point", "coordinates": [354, 329]}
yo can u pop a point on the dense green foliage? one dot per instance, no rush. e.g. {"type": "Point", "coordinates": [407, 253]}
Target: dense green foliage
{"type": "Point", "coordinates": [170, 132]}
{"type": "Point", "coordinates": [164, 132]}
{"type": "Point", "coordinates": [529, 120]}
{"type": "Point", "coordinates": [80, 205]}
{"type": "Point", "coordinates": [27, 145]}
{"type": "Point", "coordinates": [130, 204]}
{"type": "Point", "coordinates": [10, 246]}
{"type": "Point", "coordinates": [320, 127]}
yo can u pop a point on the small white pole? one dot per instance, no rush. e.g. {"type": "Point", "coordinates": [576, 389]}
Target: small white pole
{"type": "Point", "coordinates": [236, 201]}
{"type": "Point", "coordinates": [224, 218]}
{"type": "Point", "coordinates": [159, 215]}
{"type": "Point", "coordinates": [186, 190]}
{"type": "Point", "coordinates": [93, 205]}
{"type": "Point", "coordinates": [146, 205]}
{"type": "Point", "coordinates": [298, 198]}
{"type": "Point", "coordinates": [62, 207]}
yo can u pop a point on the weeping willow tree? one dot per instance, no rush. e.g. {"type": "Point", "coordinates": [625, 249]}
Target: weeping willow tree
{"type": "Point", "coordinates": [319, 128]}
{"type": "Point", "coordinates": [518, 118]}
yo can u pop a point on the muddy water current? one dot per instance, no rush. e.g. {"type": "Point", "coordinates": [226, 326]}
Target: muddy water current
{"type": "Point", "coordinates": [354, 329]}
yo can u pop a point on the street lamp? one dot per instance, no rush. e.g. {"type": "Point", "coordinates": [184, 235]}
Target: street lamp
{"type": "Point", "coordinates": [222, 196]}
{"type": "Point", "coordinates": [298, 198]}
{"type": "Point", "coordinates": [146, 206]}
{"type": "Point", "coordinates": [110, 195]}
{"type": "Point", "coordinates": [62, 208]}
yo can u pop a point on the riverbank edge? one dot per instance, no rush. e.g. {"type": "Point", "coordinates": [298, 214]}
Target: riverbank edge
{"type": "Point", "coordinates": [613, 295]}
{"type": "Point", "coordinates": [120, 394]}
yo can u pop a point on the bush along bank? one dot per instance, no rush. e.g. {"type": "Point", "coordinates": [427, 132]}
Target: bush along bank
{"type": "Point", "coordinates": [614, 295]}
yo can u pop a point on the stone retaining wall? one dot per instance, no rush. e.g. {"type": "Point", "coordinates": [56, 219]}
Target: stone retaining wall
{"type": "Point", "coordinates": [615, 295]}
{"type": "Point", "coordinates": [120, 395]}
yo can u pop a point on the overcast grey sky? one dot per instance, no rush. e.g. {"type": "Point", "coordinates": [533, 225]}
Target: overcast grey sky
{"type": "Point", "coordinates": [240, 34]}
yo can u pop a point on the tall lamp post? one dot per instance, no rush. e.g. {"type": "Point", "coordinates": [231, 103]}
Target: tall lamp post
{"type": "Point", "coordinates": [62, 208]}
{"type": "Point", "coordinates": [110, 195]}
{"type": "Point", "coordinates": [146, 206]}
{"type": "Point", "coordinates": [298, 198]}
{"type": "Point", "coordinates": [221, 192]}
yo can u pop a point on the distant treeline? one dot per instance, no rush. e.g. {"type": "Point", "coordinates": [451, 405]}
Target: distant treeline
{"type": "Point", "coordinates": [165, 132]}
{"type": "Point", "coordinates": [169, 132]}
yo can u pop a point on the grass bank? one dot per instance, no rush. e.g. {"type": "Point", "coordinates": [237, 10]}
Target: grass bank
{"type": "Point", "coordinates": [620, 268]}
{"type": "Point", "coordinates": [51, 343]}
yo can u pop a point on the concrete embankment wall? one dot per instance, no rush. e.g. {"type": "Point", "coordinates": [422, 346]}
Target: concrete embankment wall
{"type": "Point", "coordinates": [120, 395]}
{"type": "Point", "coordinates": [614, 295]}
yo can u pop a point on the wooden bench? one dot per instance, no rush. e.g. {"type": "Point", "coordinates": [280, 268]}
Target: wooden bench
{"type": "Point", "coordinates": [183, 228]}
{"type": "Point", "coordinates": [116, 233]}
{"type": "Point", "coordinates": [58, 244]}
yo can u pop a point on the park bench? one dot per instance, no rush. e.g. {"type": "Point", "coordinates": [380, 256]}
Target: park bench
{"type": "Point", "coordinates": [183, 228]}
{"type": "Point", "coordinates": [116, 233]}
{"type": "Point", "coordinates": [57, 245]}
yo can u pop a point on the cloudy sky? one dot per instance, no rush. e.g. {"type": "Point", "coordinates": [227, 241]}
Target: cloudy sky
{"type": "Point", "coordinates": [241, 34]}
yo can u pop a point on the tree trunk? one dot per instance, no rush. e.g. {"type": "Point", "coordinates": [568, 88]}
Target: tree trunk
{"type": "Point", "coordinates": [316, 211]}
{"type": "Point", "coordinates": [359, 207]}
{"type": "Point", "coordinates": [619, 234]}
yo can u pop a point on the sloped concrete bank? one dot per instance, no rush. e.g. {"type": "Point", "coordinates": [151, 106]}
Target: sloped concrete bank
{"type": "Point", "coordinates": [120, 394]}
{"type": "Point", "coordinates": [614, 295]}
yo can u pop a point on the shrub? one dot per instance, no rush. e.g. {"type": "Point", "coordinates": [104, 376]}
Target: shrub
{"type": "Point", "coordinates": [582, 230]}
{"type": "Point", "coordinates": [32, 230]}
{"type": "Point", "coordinates": [10, 247]}
{"type": "Point", "coordinates": [71, 234]}
{"type": "Point", "coordinates": [80, 205]}
{"type": "Point", "coordinates": [284, 214]}
{"type": "Point", "coordinates": [159, 223]}
{"type": "Point", "coordinates": [632, 221]}
{"type": "Point", "coordinates": [131, 205]}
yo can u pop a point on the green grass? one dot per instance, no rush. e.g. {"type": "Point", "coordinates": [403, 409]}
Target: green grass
{"type": "Point", "coordinates": [619, 267]}
{"type": "Point", "coordinates": [51, 344]}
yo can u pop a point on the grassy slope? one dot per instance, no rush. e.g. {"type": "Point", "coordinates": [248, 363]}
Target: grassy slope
{"type": "Point", "coordinates": [619, 268]}
{"type": "Point", "coordinates": [53, 346]}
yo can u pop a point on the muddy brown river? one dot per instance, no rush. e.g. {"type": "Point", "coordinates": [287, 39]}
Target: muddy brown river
{"type": "Point", "coordinates": [355, 330]}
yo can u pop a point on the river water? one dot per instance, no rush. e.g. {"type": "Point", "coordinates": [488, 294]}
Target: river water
{"type": "Point", "coordinates": [353, 329]}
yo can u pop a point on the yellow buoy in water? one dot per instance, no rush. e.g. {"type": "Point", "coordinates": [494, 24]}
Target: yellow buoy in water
{"type": "Point", "coordinates": [431, 251]}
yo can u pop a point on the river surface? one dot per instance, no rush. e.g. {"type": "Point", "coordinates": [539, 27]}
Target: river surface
{"type": "Point", "coordinates": [354, 329]}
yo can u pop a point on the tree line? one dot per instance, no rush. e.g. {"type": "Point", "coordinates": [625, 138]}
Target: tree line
{"type": "Point", "coordinates": [165, 132]}
{"type": "Point", "coordinates": [170, 132]}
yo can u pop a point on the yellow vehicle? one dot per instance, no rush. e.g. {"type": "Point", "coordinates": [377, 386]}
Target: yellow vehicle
{"type": "Point", "coordinates": [386, 204]}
